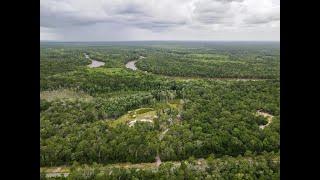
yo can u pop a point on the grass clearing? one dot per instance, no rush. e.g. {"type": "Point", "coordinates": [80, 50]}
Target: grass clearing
{"type": "Point", "coordinates": [138, 115]}
{"type": "Point", "coordinates": [60, 169]}
{"type": "Point", "coordinates": [65, 94]}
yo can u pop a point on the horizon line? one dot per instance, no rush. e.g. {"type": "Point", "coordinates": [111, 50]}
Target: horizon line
{"type": "Point", "coordinates": [168, 40]}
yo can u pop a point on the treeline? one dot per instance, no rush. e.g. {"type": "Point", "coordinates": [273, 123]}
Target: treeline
{"type": "Point", "coordinates": [265, 166]}
{"type": "Point", "coordinates": [59, 60]}
{"type": "Point", "coordinates": [204, 65]}
{"type": "Point", "coordinates": [95, 81]}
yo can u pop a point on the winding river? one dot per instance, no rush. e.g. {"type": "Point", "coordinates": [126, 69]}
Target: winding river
{"type": "Point", "coordinates": [132, 64]}
{"type": "Point", "coordinates": [94, 63]}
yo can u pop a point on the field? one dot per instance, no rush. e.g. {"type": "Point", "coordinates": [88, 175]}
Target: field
{"type": "Point", "coordinates": [191, 110]}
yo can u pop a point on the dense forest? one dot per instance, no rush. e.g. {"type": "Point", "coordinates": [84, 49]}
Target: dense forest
{"type": "Point", "coordinates": [257, 61]}
{"type": "Point", "coordinates": [187, 103]}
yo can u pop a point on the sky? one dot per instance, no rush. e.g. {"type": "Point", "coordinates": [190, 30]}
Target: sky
{"type": "Point", "coordinates": [137, 20]}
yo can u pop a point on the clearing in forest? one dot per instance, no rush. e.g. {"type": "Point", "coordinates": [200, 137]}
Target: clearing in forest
{"type": "Point", "coordinates": [141, 114]}
{"type": "Point", "coordinates": [266, 115]}
{"type": "Point", "coordinates": [66, 94]}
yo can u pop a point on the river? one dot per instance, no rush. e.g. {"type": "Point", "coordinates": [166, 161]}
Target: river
{"type": "Point", "coordinates": [131, 65]}
{"type": "Point", "coordinates": [94, 63]}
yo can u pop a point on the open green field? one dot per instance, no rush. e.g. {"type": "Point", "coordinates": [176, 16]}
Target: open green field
{"type": "Point", "coordinates": [199, 112]}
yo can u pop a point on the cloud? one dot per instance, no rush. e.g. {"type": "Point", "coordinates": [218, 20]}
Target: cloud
{"type": "Point", "coordinates": [48, 34]}
{"type": "Point", "coordinates": [261, 12]}
{"type": "Point", "coordinates": [157, 18]}
{"type": "Point", "coordinates": [213, 12]}
{"type": "Point", "coordinates": [55, 13]}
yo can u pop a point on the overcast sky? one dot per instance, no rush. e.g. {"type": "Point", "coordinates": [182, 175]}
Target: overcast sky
{"type": "Point", "coordinates": [126, 20]}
